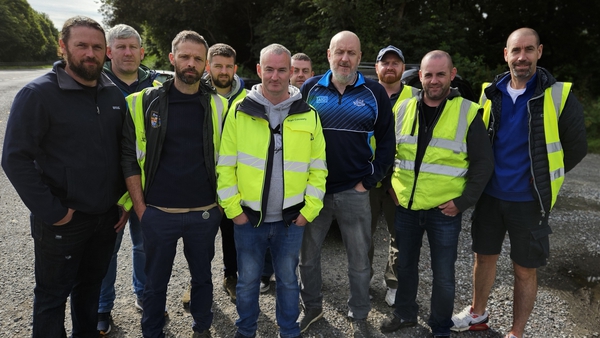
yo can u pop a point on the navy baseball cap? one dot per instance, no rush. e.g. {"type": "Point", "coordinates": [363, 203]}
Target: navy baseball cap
{"type": "Point", "coordinates": [387, 49]}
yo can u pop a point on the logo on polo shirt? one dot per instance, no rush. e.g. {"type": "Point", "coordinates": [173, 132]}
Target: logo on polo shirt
{"type": "Point", "coordinates": [359, 102]}
{"type": "Point", "coordinates": [322, 99]}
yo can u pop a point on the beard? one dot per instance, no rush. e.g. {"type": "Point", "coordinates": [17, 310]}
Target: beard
{"type": "Point", "coordinates": [188, 78]}
{"type": "Point", "coordinates": [223, 83]}
{"type": "Point", "coordinates": [344, 78]}
{"type": "Point", "coordinates": [389, 77]}
{"type": "Point", "coordinates": [521, 74]}
{"type": "Point", "coordinates": [441, 94]}
{"type": "Point", "coordinates": [86, 72]}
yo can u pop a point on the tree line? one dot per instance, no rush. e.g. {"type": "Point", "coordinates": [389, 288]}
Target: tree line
{"type": "Point", "coordinates": [26, 35]}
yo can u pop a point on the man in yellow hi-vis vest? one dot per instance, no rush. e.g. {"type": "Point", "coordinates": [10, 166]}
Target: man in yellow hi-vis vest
{"type": "Point", "coordinates": [271, 183]}
{"type": "Point", "coordinates": [389, 67]}
{"type": "Point", "coordinates": [537, 130]}
{"type": "Point", "coordinates": [443, 161]}
{"type": "Point", "coordinates": [170, 146]}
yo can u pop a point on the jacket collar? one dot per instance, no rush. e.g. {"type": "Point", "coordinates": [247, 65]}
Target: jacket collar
{"type": "Point", "coordinates": [66, 82]}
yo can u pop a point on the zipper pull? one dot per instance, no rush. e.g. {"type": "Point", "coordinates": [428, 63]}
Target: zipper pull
{"type": "Point", "coordinates": [98, 110]}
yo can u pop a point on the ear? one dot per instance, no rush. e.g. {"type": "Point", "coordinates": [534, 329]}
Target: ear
{"type": "Point", "coordinates": [258, 71]}
{"type": "Point", "coordinates": [172, 59]}
{"type": "Point", "coordinates": [109, 52]}
{"type": "Point", "coordinates": [505, 54]}
{"type": "Point", "coordinates": [63, 47]}
{"type": "Point", "coordinates": [453, 73]}
{"type": "Point", "coordinates": [234, 69]}
{"type": "Point", "coordinates": [142, 53]}
{"type": "Point", "coordinates": [540, 49]}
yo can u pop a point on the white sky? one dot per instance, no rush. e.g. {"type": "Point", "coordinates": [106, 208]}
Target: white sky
{"type": "Point", "coordinates": [60, 10]}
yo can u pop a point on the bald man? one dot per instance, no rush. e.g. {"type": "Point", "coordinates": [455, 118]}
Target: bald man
{"type": "Point", "coordinates": [538, 134]}
{"type": "Point", "coordinates": [352, 109]}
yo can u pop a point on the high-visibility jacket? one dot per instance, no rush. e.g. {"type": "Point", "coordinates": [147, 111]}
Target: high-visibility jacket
{"type": "Point", "coordinates": [148, 111]}
{"type": "Point", "coordinates": [406, 93]}
{"type": "Point", "coordinates": [555, 98]}
{"type": "Point", "coordinates": [442, 173]}
{"type": "Point", "coordinates": [244, 167]}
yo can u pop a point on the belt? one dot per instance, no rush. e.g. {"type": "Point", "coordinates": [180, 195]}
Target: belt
{"type": "Point", "coordinates": [204, 209]}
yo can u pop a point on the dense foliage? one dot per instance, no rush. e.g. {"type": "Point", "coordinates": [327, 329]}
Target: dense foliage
{"type": "Point", "coordinates": [26, 35]}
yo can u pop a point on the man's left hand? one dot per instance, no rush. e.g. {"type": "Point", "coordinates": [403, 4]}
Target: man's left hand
{"type": "Point", "coordinates": [300, 221]}
{"type": "Point", "coordinates": [449, 209]}
{"type": "Point", "coordinates": [122, 220]}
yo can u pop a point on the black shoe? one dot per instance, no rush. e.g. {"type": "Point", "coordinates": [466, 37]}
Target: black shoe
{"type": "Point", "coordinates": [310, 316]}
{"type": "Point", "coordinates": [359, 328]}
{"type": "Point", "coordinates": [104, 320]}
{"type": "Point", "coordinates": [441, 336]}
{"type": "Point", "coordinates": [394, 323]}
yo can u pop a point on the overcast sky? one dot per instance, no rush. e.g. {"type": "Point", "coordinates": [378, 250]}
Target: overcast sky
{"type": "Point", "coordinates": [60, 10]}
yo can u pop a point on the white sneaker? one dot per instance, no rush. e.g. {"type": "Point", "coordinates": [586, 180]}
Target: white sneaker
{"type": "Point", "coordinates": [390, 296]}
{"type": "Point", "coordinates": [265, 283]}
{"type": "Point", "coordinates": [466, 320]}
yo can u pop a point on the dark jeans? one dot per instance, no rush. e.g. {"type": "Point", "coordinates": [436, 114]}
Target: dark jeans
{"type": "Point", "coordinates": [161, 232]}
{"type": "Point", "coordinates": [71, 260]}
{"type": "Point", "coordinates": [442, 233]}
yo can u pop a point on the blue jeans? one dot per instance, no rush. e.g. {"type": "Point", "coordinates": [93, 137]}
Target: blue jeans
{"type": "Point", "coordinates": [353, 213]}
{"type": "Point", "coordinates": [251, 244]}
{"type": "Point", "coordinates": [161, 232]}
{"type": "Point", "coordinates": [442, 233]}
{"type": "Point", "coordinates": [70, 260]}
{"type": "Point", "coordinates": [107, 291]}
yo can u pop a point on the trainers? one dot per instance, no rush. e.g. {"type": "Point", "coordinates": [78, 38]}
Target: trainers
{"type": "Point", "coordinates": [395, 323]}
{"type": "Point", "coordinates": [265, 283]}
{"type": "Point", "coordinates": [203, 334]}
{"type": "Point", "coordinates": [187, 297]}
{"type": "Point", "coordinates": [139, 304]}
{"type": "Point", "coordinates": [466, 320]}
{"type": "Point", "coordinates": [390, 296]}
{"type": "Point", "coordinates": [359, 328]}
{"type": "Point", "coordinates": [310, 316]}
{"type": "Point", "coordinates": [229, 284]}
{"type": "Point", "coordinates": [510, 335]}
{"type": "Point", "coordinates": [104, 320]}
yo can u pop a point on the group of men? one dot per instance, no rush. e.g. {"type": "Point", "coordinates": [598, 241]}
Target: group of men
{"type": "Point", "coordinates": [93, 144]}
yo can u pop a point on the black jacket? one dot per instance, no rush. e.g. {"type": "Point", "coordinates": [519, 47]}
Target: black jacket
{"type": "Point", "coordinates": [62, 145]}
{"type": "Point", "coordinates": [156, 100]}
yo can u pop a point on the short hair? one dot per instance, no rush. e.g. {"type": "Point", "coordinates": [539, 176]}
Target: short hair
{"type": "Point", "coordinates": [276, 49]}
{"type": "Point", "coordinates": [185, 36]}
{"type": "Point", "coordinates": [438, 54]}
{"type": "Point", "coordinates": [525, 31]}
{"type": "Point", "coordinates": [79, 21]}
{"type": "Point", "coordinates": [122, 31]}
{"type": "Point", "coordinates": [221, 49]}
{"type": "Point", "coordinates": [301, 57]}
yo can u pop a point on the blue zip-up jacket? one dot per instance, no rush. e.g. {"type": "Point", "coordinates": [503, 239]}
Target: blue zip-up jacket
{"type": "Point", "coordinates": [349, 120]}
{"type": "Point", "coordinates": [62, 145]}
{"type": "Point", "coordinates": [146, 78]}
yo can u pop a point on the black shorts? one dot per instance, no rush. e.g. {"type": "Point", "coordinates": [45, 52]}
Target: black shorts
{"type": "Point", "coordinates": [527, 229]}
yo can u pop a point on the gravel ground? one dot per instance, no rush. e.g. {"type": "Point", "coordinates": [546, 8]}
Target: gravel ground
{"type": "Point", "coordinates": [568, 302]}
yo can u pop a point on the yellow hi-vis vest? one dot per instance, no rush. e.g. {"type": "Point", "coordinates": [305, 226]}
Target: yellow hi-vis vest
{"type": "Point", "coordinates": [555, 98]}
{"type": "Point", "coordinates": [135, 103]}
{"type": "Point", "coordinates": [442, 174]}
{"type": "Point", "coordinates": [406, 93]}
{"type": "Point", "coordinates": [243, 159]}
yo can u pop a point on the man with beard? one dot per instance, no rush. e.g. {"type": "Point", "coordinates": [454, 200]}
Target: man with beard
{"type": "Point", "coordinates": [538, 134]}
{"type": "Point", "coordinates": [125, 51]}
{"type": "Point", "coordinates": [169, 152]}
{"type": "Point", "coordinates": [61, 152]}
{"type": "Point", "coordinates": [302, 65]}
{"type": "Point", "coordinates": [389, 67]}
{"type": "Point", "coordinates": [443, 162]}
{"type": "Point", "coordinates": [221, 73]}
{"type": "Point", "coordinates": [352, 109]}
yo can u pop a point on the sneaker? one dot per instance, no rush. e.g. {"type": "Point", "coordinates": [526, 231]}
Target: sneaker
{"type": "Point", "coordinates": [390, 296]}
{"type": "Point", "coordinates": [466, 320]}
{"type": "Point", "coordinates": [265, 283]}
{"type": "Point", "coordinates": [310, 316]}
{"type": "Point", "coordinates": [441, 336]}
{"type": "Point", "coordinates": [104, 320]}
{"type": "Point", "coordinates": [395, 323]}
{"type": "Point", "coordinates": [186, 298]}
{"type": "Point", "coordinates": [229, 284]}
{"type": "Point", "coordinates": [359, 328]}
{"type": "Point", "coordinates": [510, 335]}
{"type": "Point", "coordinates": [139, 304]}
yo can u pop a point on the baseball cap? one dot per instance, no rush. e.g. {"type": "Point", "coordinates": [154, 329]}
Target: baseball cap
{"type": "Point", "coordinates": [390, 48]}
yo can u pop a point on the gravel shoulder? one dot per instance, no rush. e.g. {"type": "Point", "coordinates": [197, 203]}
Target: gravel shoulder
{"type": "Point", "coordinates": [568, 302]}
